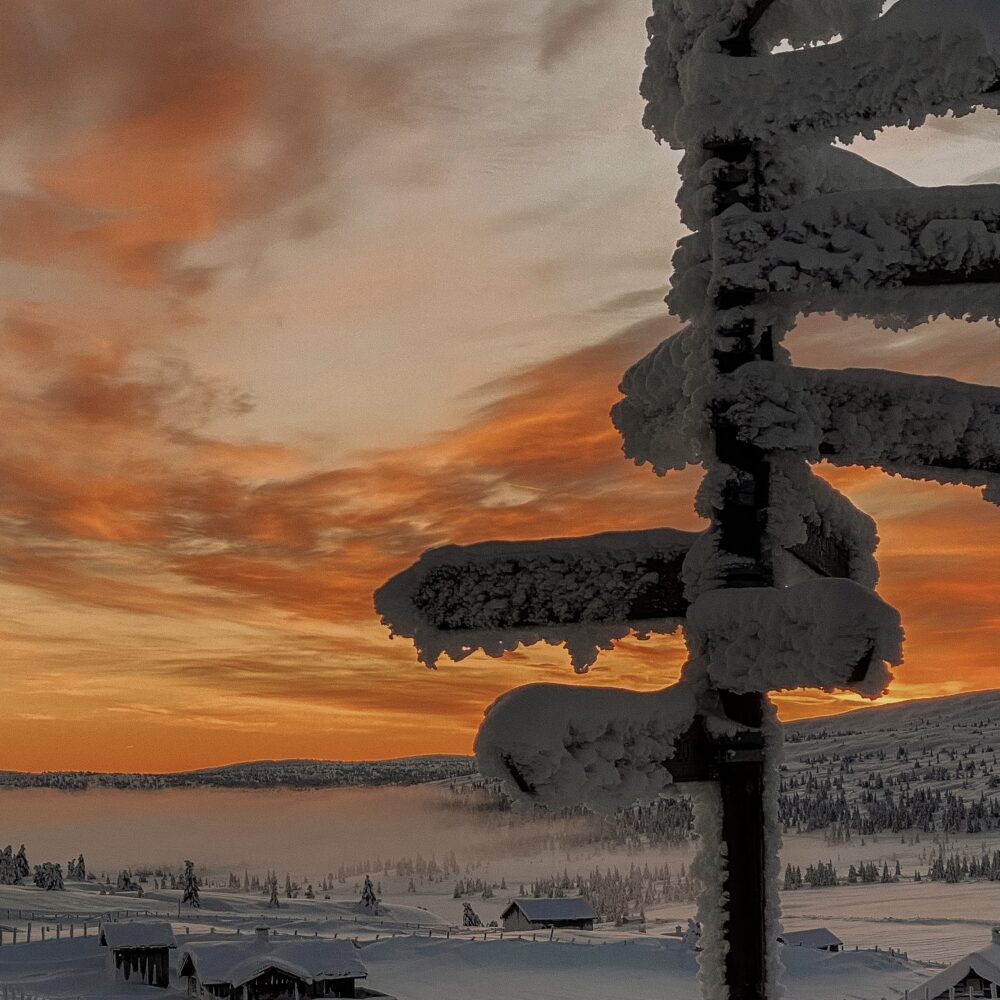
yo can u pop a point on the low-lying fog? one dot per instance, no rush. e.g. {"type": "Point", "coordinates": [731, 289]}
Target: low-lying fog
{"type": "Point", "coordinates": [224, 829]}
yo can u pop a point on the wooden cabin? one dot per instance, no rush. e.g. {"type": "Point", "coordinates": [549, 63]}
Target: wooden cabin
{"type": "Point", "coordinates": [265, 968]}
{"type": "Point", "coordinates": [140, 951]}
{"type": "Point", "coordinates": [537, 914]}
{"type": "Point", "coordinates": [977, 975]}
{"type": "Point", "coordinates": [816, 937]}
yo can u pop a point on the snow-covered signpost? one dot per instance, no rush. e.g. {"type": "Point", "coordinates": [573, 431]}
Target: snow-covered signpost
{"type": "Point", "coordinates": [778, 593]}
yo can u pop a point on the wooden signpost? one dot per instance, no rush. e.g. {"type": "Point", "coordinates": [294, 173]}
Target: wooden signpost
{"type": "Point", "coordinates": [494, 595]}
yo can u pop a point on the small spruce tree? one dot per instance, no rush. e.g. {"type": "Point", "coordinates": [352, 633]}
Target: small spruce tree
{"type": "Point", "coordinates": [191, 886]}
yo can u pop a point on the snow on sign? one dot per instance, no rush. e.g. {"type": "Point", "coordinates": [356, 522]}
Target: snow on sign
{"type": "Point", "coordinates": [779, 591]}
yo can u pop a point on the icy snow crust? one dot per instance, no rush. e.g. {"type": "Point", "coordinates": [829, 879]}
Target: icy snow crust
{"type": "Point", "coordinates": [579, 592]}
{"type": "Point", "coordinates": [862, 240]}
{"type": "Point", "coordinates": [950, 63]}
{"type": "Point", "coordinates": [917, 426]}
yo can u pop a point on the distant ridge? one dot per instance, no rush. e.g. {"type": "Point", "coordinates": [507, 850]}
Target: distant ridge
{"type": "Point", "coordinates": [262, 774]}
{"type": "Point", "coordinates": [970, 708]}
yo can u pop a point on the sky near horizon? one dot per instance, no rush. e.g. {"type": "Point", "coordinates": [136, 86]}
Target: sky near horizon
{"type": "Point", "coordinates": [293, 292]}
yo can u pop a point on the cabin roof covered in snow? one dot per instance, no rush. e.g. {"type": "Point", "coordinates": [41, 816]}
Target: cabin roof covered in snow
{"type": "Point", "coordinates": [566, 908]}
{"type": "Point", "coordinates": [984, 963]}
{"type": "Point", "coordinates": [140, 934]}
{"type": "Point", "coordinates": [238, 962]}
{"type": "Point", "coordinates": [815, 937]}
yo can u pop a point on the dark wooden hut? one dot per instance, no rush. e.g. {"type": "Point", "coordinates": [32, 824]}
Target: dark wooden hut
{"type": "Point", "coordinates": [532, 914]}
{"type": "Point", "coordinates": [140, 951]}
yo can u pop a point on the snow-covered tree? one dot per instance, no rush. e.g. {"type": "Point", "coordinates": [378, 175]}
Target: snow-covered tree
{"type": "Point", "coordinates": [192, 884]}
{"type": "Point", "coordinates": [271, 887]}
{"type": "Point", "coordinates": [49, 875]}
{"type": "Point", "coordinates": [9, 871]}
{"type": "Point", "coordinates": [469, 916]}
{"type": "Point", "coordinates": [369, 901]}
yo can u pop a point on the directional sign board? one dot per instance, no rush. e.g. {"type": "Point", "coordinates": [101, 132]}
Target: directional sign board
{"type": "Point", "coordinates": [862, 240]}
{"type": "Point", "coordinates": [493, 596]}
{"type": "Point", "coordinates": [920, 427]}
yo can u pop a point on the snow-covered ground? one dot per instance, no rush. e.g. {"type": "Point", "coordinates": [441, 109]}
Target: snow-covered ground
{"type": "Point", "coordinates": [942, 746]}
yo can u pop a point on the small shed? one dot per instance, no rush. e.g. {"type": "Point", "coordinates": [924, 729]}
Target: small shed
{"type": "Point", "coordinates": [140, 950]}
{"type": "Point", "coordinates": [976, 975]}
{"type": "Point", "coordinates": [535, 914]}
{"type": "Point", "coordinates": [817, 937]}
{"type": "Point", "coordinates": [264, 968]}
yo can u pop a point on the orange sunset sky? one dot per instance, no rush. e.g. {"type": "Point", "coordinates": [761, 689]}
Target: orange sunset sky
{"type": "Point", "coordinates": [294, 291]}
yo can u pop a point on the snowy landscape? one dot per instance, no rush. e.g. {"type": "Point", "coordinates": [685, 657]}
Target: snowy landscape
{"type": "Point", "coordinates": [851, 785]}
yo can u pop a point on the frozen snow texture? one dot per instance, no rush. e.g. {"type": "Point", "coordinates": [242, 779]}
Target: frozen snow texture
{"type": "Point", "coordinates": [920, 427]}
{"type": "Point", "coordinates": [917, 60]}
{"type": "Point", "coordinates": [860, 241]}
{"type": "Point", "coordinates": [774, 742]}
{"type": "Point", "coordinates": [709, 868]}
{"type": "Point", "coordinates": [581, 592]}
{"type": "Point", "coordinates": [654, 418]}
{"type": "Point", "coordinates": [678, 28]}
{"type": "Point", "coordinates": [829, 634]}
{"type": "Point", "coordinates": [817, 523]}
{"type": "Point", "coordinates": [558, 746]}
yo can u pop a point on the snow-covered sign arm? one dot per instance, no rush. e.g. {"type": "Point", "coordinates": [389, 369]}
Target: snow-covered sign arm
{"type": "Point", "coordinates": [920, 427]}
{"type": "Point", "coordinates": [581, 592]}
{"type": "Point", "coordinates": [859, 241]}
{"type": "Point", "coordinates": [559, 746]}
{"type": "Point", "coordinates": [921, 58]}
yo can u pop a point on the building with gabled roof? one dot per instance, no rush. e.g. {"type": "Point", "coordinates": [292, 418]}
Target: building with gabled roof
{"type": "Point", "coordinates": [815, 937]}
{"type": "Point", "coordinates": [140, 950]}
{"type": "Point", "coordinates": [534, 914]}
{"type": "Point", "coordinates": [976, 975]}
{"type": "Point", "coordinates": [265, 968]}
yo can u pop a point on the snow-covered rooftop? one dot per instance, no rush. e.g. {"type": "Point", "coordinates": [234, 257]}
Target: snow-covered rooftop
{"type": "Point", "coordinates": [140, 934]}
{"type": "Point", "coordinates": [566, 908]}
{"type": "Point", "coordinates": [815, 937]}
{"type": "Point", "coordinates": [984, 963]}
{"type": "Point", "coordinates": [238, 962]}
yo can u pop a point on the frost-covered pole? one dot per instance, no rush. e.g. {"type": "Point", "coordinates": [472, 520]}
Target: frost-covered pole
{"type": "Point", "coordinates": [718, 174]}
{"type": "Point", "coordinates": [744, 560]}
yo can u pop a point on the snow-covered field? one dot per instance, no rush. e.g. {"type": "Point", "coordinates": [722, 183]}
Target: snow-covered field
{"type": "Point", "coordinates": [432, 962]}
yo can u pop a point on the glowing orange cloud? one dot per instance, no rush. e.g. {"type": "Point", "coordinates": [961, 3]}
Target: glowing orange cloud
{"type": "Point", "coordinates": [179, 590]}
